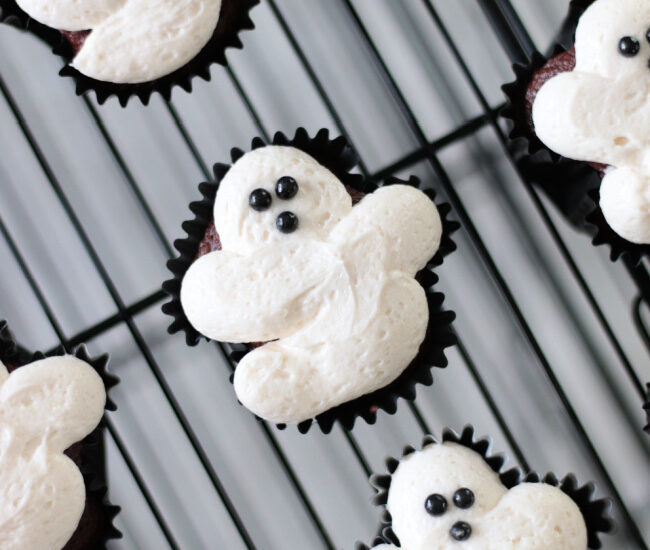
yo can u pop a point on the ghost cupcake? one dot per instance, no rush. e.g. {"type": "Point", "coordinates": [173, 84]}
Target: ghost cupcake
{"type": "Point", "coordinates": [52, 480]}
{"type": "Point", "coordinates": [320, 280]}
{"type": "Point", "coordinates": [453, 494]}
{"type": "Point", "coordinates": [127, 47]}
{"type": "Point", "coordinates": [591, 103]}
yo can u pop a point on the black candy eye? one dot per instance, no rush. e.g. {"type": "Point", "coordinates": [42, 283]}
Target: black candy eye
{"type": "Point", "coordinates": [286, 188]}
{"type": "Point", "coordinates": [287, 222]}
{"type": "Point", "coordinates": [629, 46]}
{"type": "Point", "coordinates": [647, 35]}
{"type": "Point", "coordinates": [260, 199]}
{"type": "Point", "coordinates": [435, 505]}
{"type": "Point", "coordinates": [460, 531]}
{"type": "Point", "coordinates": [463, 498]}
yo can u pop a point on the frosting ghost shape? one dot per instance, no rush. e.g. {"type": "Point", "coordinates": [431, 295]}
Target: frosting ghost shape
{"type": "Point", "coordinates": [600, 111]}
{"type": "Point", "coordinates": [45, 407]}
{"type": "Point", "coordinates": [333, 293]}
{"type": "Point", "coordinates": [446, 497]}
{"type": "Point", "coordinates": [131, 41]}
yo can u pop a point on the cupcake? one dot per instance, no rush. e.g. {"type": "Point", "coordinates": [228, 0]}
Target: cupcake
{"type": "Point", "coordinates": [52, 479]}
{"type": "Point", "coordinates": [591, 103]}
{"type": "Point", "coordinates": [453, 491]}
{"type": "Point", "coordinates": [127, 48]}
{"type": "Point", "coordinates": [321, 281]}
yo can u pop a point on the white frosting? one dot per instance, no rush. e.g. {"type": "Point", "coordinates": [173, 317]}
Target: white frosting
{"type": "Point", "coordinates": [531, 516]}
{"type": "Point", "coordinates": [45, 407]}
{"type": "Point", "coordinates": [70, 15]}
{"type": "Point", "coordinates": [600, 112]}
{"type": "Point", "coordinates": [132, 41]}
{"type": "Point", "coordinates": [337, 296]}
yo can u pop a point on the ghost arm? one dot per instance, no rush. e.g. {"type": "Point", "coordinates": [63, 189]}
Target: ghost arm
{"type": "Point", "coordinates": [41, 501]}
{"type": "Point", "coordinates": [579, 115]}
{"type": "Point", "coordinates": [254, 298]}
{"type": "Point", "coordinates": [403, 218]}
{"type": "Point", "coordinates": [62, 397]}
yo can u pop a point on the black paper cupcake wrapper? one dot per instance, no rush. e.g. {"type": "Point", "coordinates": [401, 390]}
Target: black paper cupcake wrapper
{"type": "Point", "coordinates": [93, 461]}
{"type": "Point", "coordinates": [595, 511]}
{"type": "Point", "coordinates": [516, 109]}
{"type": "Point", "coordinates": [233, 20]}
{"type": "Point", "coordinates": [603, 234]}
{"type": "Point", "coordinates": [339, 158]}
{"type": "Point", "coordinates": [571, 185]}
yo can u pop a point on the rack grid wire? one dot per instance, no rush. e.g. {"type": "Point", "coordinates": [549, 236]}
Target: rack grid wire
{"type": "Point", "coordinates": [553, 338]}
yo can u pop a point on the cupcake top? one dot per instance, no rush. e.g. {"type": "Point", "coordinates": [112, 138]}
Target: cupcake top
{"type": "Point", "coordinates": [329, 286]}
{"type": "Point", "coordinates": [446, 497]}
{"type": "Point", "coordinates": [130, 41]}
{"type": "Point", "coordinates": [600, 111]}
{"type": "Point", "coordinates": [45, 407]}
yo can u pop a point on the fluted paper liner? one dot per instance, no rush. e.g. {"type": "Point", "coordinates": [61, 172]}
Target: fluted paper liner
{"type": "Point", "coordinates": [339, 158]}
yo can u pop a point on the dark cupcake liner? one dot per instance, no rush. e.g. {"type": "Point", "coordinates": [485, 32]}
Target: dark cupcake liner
{"type": "Point", "coordinates": [594, 511]}
{"type": "Point", "coordinates": [88, 453]}
{"type": "Point", "coordinates": [233, 20]}
{"type": "Point", "coordinates": [570, 184]}
{"type": "Point", "coordinates": [338, 157]}
{"type": "Point", "coordinates": [603, 234]}
{"type": "Point", "coordinates": [516, 109]}
{"type": "Point", "coordinates": [378, 541]}
{"type": "Point", "coordinates": [646, 408]}
{"type": "Point", "coordinates": [564, 181]}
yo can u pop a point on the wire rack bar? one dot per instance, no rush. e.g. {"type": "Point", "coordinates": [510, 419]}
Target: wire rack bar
{"type": "Point", "coordinates": [142, 486]}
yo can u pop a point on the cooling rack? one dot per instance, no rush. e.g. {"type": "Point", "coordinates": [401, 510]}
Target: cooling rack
{"type": "Point", "coordinates": [554, 345]}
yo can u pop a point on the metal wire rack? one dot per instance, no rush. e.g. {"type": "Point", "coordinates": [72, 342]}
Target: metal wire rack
{"type": "Point", "coordinates": [554, 341]}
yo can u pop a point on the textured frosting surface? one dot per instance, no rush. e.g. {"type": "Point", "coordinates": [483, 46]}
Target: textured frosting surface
{"type": "Point", "coordinates": [132, 41]}
{"type": "Point", "coordinates": [600, 112]}
{"type": "Point", "coordinates": [45, 407]}
{"type": "Point", "coordinates": [531, 516]}
{"type": "Point", "coordinates": [336, 299]}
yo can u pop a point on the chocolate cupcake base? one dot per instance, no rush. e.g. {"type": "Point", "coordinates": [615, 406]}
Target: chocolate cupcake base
{"type": "Point", "coordinates": [594, 511]}
{"type": "Point", "coordinates": [234, 19]}
{"type": "Point", "coordinates": [96, 526]}
{"type": "Point", "coordinates": [339, 158]}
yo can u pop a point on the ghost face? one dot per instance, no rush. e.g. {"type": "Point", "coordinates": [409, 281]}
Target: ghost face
{"type": "Point", "coordinates": [446, 497]}
{"type": "Point", "coordinates": [271, 193]}
{"type": "Point", "coordinates": [613, 39]}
